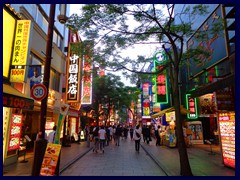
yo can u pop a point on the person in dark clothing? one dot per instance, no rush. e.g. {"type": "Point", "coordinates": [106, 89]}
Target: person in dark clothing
{"type": "Point", "coordinates": [157, 134]}
{"type": "Point", "coordinates": [118, 134]}
{"type": "Point", "coordinates": [131, 132]}
{"type": "Point", "coordinates": [148, 134]}
{"type": "Point", "coordinates": [144, 133]}
{"type": "Point", "coordinates": [125, 130]}
{"type": "Point", "coordinates": [108, 135]}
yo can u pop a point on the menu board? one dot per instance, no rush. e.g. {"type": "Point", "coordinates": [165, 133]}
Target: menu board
{"type": "Point", "coordinates": [15, 131]}
{"type": "Point", "coordinates": [50, 159]}
{"type": "Point", "coordinates": [227, 133]}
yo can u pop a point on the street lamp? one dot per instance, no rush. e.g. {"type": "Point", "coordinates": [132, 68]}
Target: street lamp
{"type": "Point", "coordinates": [41, 144]}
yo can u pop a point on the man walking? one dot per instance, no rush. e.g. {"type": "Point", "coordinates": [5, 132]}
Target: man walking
{"type": "Point", "coordinates": [102, 137]}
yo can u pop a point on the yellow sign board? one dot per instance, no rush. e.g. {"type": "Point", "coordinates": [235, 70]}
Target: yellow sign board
{"type": "Point", "coordinates": [50, 159]}
{"type": "Point", "coordinates": [20, 50]}
{"type": "Point", "coordinates": [8, 31]}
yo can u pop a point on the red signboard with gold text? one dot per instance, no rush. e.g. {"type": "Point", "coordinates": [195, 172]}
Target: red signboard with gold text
{"type": "Point", "coordinates": [15, 131]}
{"type": "Point", "coordinates": [227, 132]}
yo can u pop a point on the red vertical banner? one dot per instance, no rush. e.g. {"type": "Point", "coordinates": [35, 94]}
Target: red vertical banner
{"type": "Point", "coordinates": [15, 131]}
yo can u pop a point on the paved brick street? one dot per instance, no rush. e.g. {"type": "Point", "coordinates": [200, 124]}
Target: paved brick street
{"type": "Point", "coordinates": [120, 160]}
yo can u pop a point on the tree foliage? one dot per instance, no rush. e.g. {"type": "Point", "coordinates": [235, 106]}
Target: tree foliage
{"type": "Point", "coordinates": [110, 89]}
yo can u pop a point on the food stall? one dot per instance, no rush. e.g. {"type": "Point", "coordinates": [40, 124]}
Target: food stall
{"type": "Point", "coordinates": [170, 139]}
{"type": "Point", "coordinates": [169, 136]}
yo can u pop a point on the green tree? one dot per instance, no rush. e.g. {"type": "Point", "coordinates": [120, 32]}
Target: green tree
{"type": "Point", "coordinates": [111, 28]}
{"type": "Point", "coordinates": [110, 89]}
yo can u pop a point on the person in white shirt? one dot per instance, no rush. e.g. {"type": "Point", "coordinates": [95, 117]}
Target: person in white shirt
{"type": "Point", "coordinates": [102, 137]}
{"type": "Point", "coordinates": [51, 136]}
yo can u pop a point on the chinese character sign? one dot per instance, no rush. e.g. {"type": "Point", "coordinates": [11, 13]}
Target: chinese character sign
{"type": "Point", "coordinates": [15, 131]}
{"type": "Point", "coordinates": [20, 50]}
{"type": "Point", "coordinates": [73, 77]}
{"type": "Point", "coordinates": [87, 79]}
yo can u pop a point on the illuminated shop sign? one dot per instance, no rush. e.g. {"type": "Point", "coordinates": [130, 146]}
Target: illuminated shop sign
{"type": "Point", "coordinates": [8, 30]}
{"type": "Point", "coordinates": [191, 106]}
{"type": "Point", "coordinates": [12, 101]}
{"type": "Point", "coordinates": [145, 100]}
{"type": "Point", "coordinates": [227, 132]}
{"type": "Point", "coordinates": [15, 131]}
{"type": "Point", "coordinates": [160, 80]}
{"type": "Point", "coordinates": [73, 77]}
{"type": "Point", "coordinates": [214, 43]}
{"type": "Point", "coordinates": [20, 51]}
{"type": "Point", "coordinates": [87, 81]}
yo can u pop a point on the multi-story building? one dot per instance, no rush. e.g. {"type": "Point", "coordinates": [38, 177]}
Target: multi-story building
{"type": "Point", "coordinates": [31, 37]}
{"type": "Point", "coordinates": [208, 87]}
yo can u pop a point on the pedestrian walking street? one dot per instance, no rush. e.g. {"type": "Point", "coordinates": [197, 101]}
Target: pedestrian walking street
{"type": "Point", "coordinates": [123, 160]}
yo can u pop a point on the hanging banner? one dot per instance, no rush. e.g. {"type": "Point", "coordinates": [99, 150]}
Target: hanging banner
{"type": "Point", "coordinates": [63, 112]}
{"type": "Point", "coordinates": [50, 159]}
{"type": "Point", "coordinates": [15, 131]}
{"type": "Point", "coordinates": [20, 51]}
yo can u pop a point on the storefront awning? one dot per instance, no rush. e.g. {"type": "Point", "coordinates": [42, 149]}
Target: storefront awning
{"type": "Point", "coordinates": [15, 99]}
{"type": "Point", "coordinates": [161, 113]}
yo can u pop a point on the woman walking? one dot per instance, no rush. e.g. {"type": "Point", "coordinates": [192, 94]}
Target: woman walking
{"type": "Point", "coordinates": [137, 137]}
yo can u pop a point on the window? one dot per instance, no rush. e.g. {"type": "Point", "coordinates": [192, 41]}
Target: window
{"type": "Point", "coordinates": [54, 80]}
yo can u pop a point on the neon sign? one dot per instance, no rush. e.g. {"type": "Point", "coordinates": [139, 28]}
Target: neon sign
{"type": "Point", "coordinates": [191, 106]}
{"type": "Point", "coordinates": [160, 81]}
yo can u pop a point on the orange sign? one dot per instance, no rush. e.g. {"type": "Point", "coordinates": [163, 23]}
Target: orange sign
{"type": "Point", "coordinates": [50, 159]}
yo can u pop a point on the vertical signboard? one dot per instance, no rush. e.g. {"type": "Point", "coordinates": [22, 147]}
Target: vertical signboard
{"type": "Point", "coordinates": [145, 100]}
{"type": "Point", "coordinates": [191, 106]}
{"type": "Point", "coordinates": [73, 73]}
{"type": "Point", "coordinates": [227, 132]}
{"type": "Point", "coordinates": [20, 51]}
{"type": "Point", "coordinates": [87, 78]}
{"type": "Point", "coordinates": [15, 131]}
{"type": "Point", "coordinates": [161, 85]}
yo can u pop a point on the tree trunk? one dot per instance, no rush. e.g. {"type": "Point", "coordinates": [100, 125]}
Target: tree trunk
{"type": "Point", "coordinates": [185, 169]}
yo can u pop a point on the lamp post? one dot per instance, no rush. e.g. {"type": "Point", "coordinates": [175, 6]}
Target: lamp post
{"type": "Point", "coordinates": [41, 144]}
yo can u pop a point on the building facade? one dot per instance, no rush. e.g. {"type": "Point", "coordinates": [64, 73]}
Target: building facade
{"type": "Point", "coordinates": [208, 86]}
{"type": "Point", "coordinates": [34, 17]}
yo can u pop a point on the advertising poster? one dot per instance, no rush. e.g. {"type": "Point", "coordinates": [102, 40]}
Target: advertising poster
{"type": "Point", "coordinates": [197, 135]}
{"type": "Point", "coordinates": [50, 159]}
{"type": "Point", "coordinates": [227, 133]}
{"type": "Point", "coordinates": [15, 131]}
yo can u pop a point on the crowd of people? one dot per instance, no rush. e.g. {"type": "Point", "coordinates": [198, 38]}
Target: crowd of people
{"type": "Point", "coordinates": [103, 135]}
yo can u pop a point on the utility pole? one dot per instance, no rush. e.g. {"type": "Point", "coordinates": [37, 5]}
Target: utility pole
{"type": "Point", "coordinates": [41, 144]}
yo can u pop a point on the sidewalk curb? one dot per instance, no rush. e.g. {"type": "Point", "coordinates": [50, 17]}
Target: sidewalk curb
{"type": "Point", "coordinates": [74, 160]}
{"type": "Point", "coordinates": [164, 168]}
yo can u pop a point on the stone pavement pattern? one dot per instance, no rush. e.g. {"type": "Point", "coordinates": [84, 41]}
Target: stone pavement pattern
{"type": "Point", "coordinates": [120, 160]}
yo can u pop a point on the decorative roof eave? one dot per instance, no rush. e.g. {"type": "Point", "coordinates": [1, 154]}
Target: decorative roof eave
{"type": "Point", "coordinates": [11, 9]}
